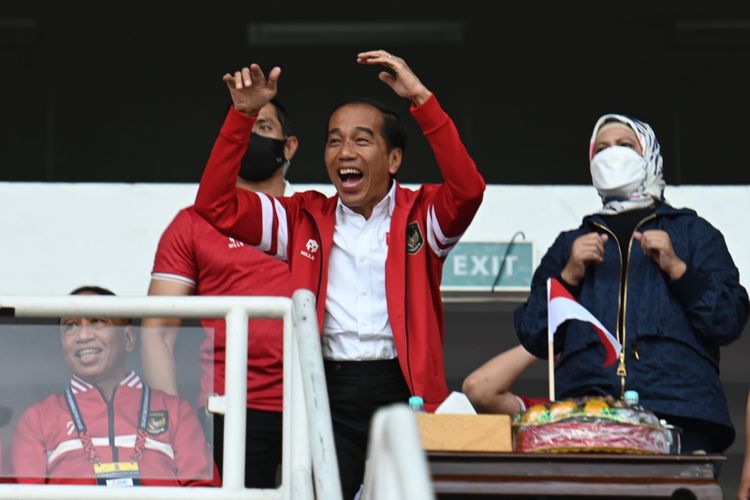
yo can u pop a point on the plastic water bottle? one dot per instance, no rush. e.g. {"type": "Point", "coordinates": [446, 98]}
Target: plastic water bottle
{"type": "Point", "coordinates": [631, 397]}
{"type": "Point", "coordinates": [416, 403]}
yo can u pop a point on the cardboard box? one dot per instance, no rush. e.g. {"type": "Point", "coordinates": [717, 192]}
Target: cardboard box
{"type": "Point", "coordinates": [443, 432]}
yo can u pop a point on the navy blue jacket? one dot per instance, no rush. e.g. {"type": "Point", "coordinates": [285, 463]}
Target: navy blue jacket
{"type": "Point", "coordinates": [673, 329]}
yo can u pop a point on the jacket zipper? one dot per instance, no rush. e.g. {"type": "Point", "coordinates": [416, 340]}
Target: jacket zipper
{"type": "Point", "coordinates": [620, 333]}
{"type": "Point", "coordinates": [622, 302]}
{"type": "Point", "coordinates": [111, 425]}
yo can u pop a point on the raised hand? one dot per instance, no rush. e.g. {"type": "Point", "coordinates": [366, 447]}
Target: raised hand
{"type": "Point", "coordinates": [401, 79]}
{"type": "Point", "coordinates": [658, 245]}
{"type": "Point", "coordinates": [587, 249]}
{"type": "Point", "coordinates": [250, 89]}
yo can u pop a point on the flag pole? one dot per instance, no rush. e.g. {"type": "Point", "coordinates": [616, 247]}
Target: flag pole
{"type": "Point", "coordinates": [551, 370]}
{"type": "Point", "coordinates": [550, 347]}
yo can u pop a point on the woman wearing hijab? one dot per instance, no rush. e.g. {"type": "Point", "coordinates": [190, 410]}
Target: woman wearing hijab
{"type": "Point", "coordinates": [661, 277]}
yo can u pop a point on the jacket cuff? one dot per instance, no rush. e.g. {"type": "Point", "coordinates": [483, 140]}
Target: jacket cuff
{"type": "Point", "coordinates": [574, 290]}
{"type": "Point", "coordinates": [237, 126]}
{"type": "Point", "coordinates": [689, 287]}
{"type": "Point", "coordinates": [429, 115]}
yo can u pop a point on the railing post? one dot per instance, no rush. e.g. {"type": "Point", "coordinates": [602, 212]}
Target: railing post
{"type": "Point", "coordinates": [396, 463]}
{"type": "Point", "coordinates": [233, 475]}
{"type": "Point", "coordinates": [325, 465]}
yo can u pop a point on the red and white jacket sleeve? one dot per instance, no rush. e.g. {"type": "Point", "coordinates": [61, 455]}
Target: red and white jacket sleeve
{"type": "Point", "coordinates": [253, 218]}
{"type": "Point", "coordinates": [454, 205]}
{"type": "Point", "coordinates": [27, 458]}
{"type": "Point", "coordinates": [192, 458]}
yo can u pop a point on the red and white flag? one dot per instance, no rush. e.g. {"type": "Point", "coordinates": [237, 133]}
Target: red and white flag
{"type": "Point", "coordinates": [561, 306]}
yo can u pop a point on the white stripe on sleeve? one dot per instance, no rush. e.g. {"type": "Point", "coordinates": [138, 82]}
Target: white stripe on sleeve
{"type": "Point", "coordinates": [439, 243]}
{"type": "Point", "coordinates": [282, 234]}
{"type": "Point", "coordinates": [267, 212]}
{"type": "Point", "coordinates": [173, 277]}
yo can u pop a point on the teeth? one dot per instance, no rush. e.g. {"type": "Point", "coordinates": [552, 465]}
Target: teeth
{"type": "Point", "coordinates": [348, 171]}
{"type": "Point", "coordinates": [87, 352]}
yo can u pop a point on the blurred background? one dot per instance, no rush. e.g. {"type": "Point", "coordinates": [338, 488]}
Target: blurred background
{"type": "Point", "coordinates": [132, 92]}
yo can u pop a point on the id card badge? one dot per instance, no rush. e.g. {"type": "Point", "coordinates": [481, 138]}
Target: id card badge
{"type": "Point", "coordinates": [117, 474]}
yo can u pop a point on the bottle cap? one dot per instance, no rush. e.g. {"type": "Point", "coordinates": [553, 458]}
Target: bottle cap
{"type": "Point", "coordinates": [416, 402]}
{"type": "Point", "coordinates": [631, 397]}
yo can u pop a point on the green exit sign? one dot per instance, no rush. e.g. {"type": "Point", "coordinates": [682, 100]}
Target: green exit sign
{"type": "Point", "coordinates": [477, 265]}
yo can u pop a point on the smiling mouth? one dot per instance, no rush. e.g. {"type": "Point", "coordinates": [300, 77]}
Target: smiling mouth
{"type": "Point", "coordinates": [88, 352]}
{"type": "Point", "coordinates": [350, 176]}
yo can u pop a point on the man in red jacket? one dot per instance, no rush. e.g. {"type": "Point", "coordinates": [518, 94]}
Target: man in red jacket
{"type": "Point", "coordinates": [108, 427]}
{"type": "Point", "coordinates": [372, 254]}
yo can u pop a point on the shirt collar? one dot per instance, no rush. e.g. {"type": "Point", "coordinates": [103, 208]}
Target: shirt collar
{"type": "Point", "coordinates": [389, 198]}
{"type": "Point", "coordinates": [288, 189]}
{"type": "Point", "coordinates": [80, 385]}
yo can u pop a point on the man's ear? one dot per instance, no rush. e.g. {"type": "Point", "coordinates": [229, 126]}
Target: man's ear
{"type": "Point", "coordinates": [290, 147]}
{"type": "Point", "coordinates": [395, 156]}
{"type": "Point", "coordinates": [129, 332]}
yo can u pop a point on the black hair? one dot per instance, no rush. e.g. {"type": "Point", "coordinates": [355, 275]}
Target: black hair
{"type": "Point", "coordinates": [283, 114]}
{"type": "Point", "coordinates": [95, 290]}
{"type": "Point", "coordinates": [394, 131]}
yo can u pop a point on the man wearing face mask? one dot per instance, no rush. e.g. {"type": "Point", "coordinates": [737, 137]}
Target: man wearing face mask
{"type": "Point", "coordinates": [193, 258]}
{"type": "Point", "coordinates": [661, 277]}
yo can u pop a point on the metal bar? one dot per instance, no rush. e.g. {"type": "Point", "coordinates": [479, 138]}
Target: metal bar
{"type": "Point", "coordinates": [162, 306]}
{"type": "Point", "coordinates": [69, 492]}
{"type": "Point", "coordinates": [397, 465]}
{"type": "Point", "coordinates": [300, 461]}
{"type": "Point", "coordinates": [287, 428]}
{"type": "Point", "coordinates": [325, 465]}
{"type": "Point", "coordinates": [233, 475]}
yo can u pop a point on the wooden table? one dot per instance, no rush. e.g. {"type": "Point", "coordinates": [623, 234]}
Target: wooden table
{"type": "Point", "coordinates": [574, 475]}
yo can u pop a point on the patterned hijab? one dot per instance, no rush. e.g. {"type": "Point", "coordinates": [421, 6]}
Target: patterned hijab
{"type": "Point", "coordinates": [653, 185]}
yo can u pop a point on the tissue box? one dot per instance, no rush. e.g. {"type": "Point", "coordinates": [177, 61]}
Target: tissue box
{"type": "Point", "coordinates": [445, 432]}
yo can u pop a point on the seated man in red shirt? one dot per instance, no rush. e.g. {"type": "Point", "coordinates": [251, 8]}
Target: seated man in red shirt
{"type": "Point", "coordinates": [107, 427]}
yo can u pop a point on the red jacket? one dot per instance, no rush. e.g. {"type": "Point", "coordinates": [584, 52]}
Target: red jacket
{"type": "Point", "coordinates": [425, 225]}
{"type": "Point", "coordinates": [46, 448]}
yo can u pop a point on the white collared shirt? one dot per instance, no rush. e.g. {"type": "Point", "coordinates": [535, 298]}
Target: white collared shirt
{"type": "Point", "coordinates": [288, 189]}
{"type": "Point", "coordinates": [356, 325]}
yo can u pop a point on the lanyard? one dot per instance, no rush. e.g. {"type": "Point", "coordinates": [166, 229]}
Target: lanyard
{"type": "Point", "coordinates": [83, 434]}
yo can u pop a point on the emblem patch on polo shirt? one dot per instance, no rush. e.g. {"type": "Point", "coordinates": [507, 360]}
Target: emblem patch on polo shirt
{"type": "Point", "coordinates": [414, 239]}
{"type": "Point", "coordinates": [157, 422]}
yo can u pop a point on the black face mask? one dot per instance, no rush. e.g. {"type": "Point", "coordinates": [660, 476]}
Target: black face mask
{"type": "Point", "coordinates": [263, 158]}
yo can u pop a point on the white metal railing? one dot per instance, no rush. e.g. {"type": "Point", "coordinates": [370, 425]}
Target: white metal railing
{"type": "Point", "coordinates": [307, 471]}
{"type": "Point", "coordinates": [396, 463]}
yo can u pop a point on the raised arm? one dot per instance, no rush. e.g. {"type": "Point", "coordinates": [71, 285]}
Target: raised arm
{"type": "Point", "coordinates": [488, 387]}
{"type": "Point", "coordinates": [251, 217]}
{"type": "Point", "coordinates": [454, 205]}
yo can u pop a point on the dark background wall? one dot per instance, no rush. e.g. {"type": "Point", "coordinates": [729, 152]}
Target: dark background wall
{"type": "Point", "coordinates": [115, 91]}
